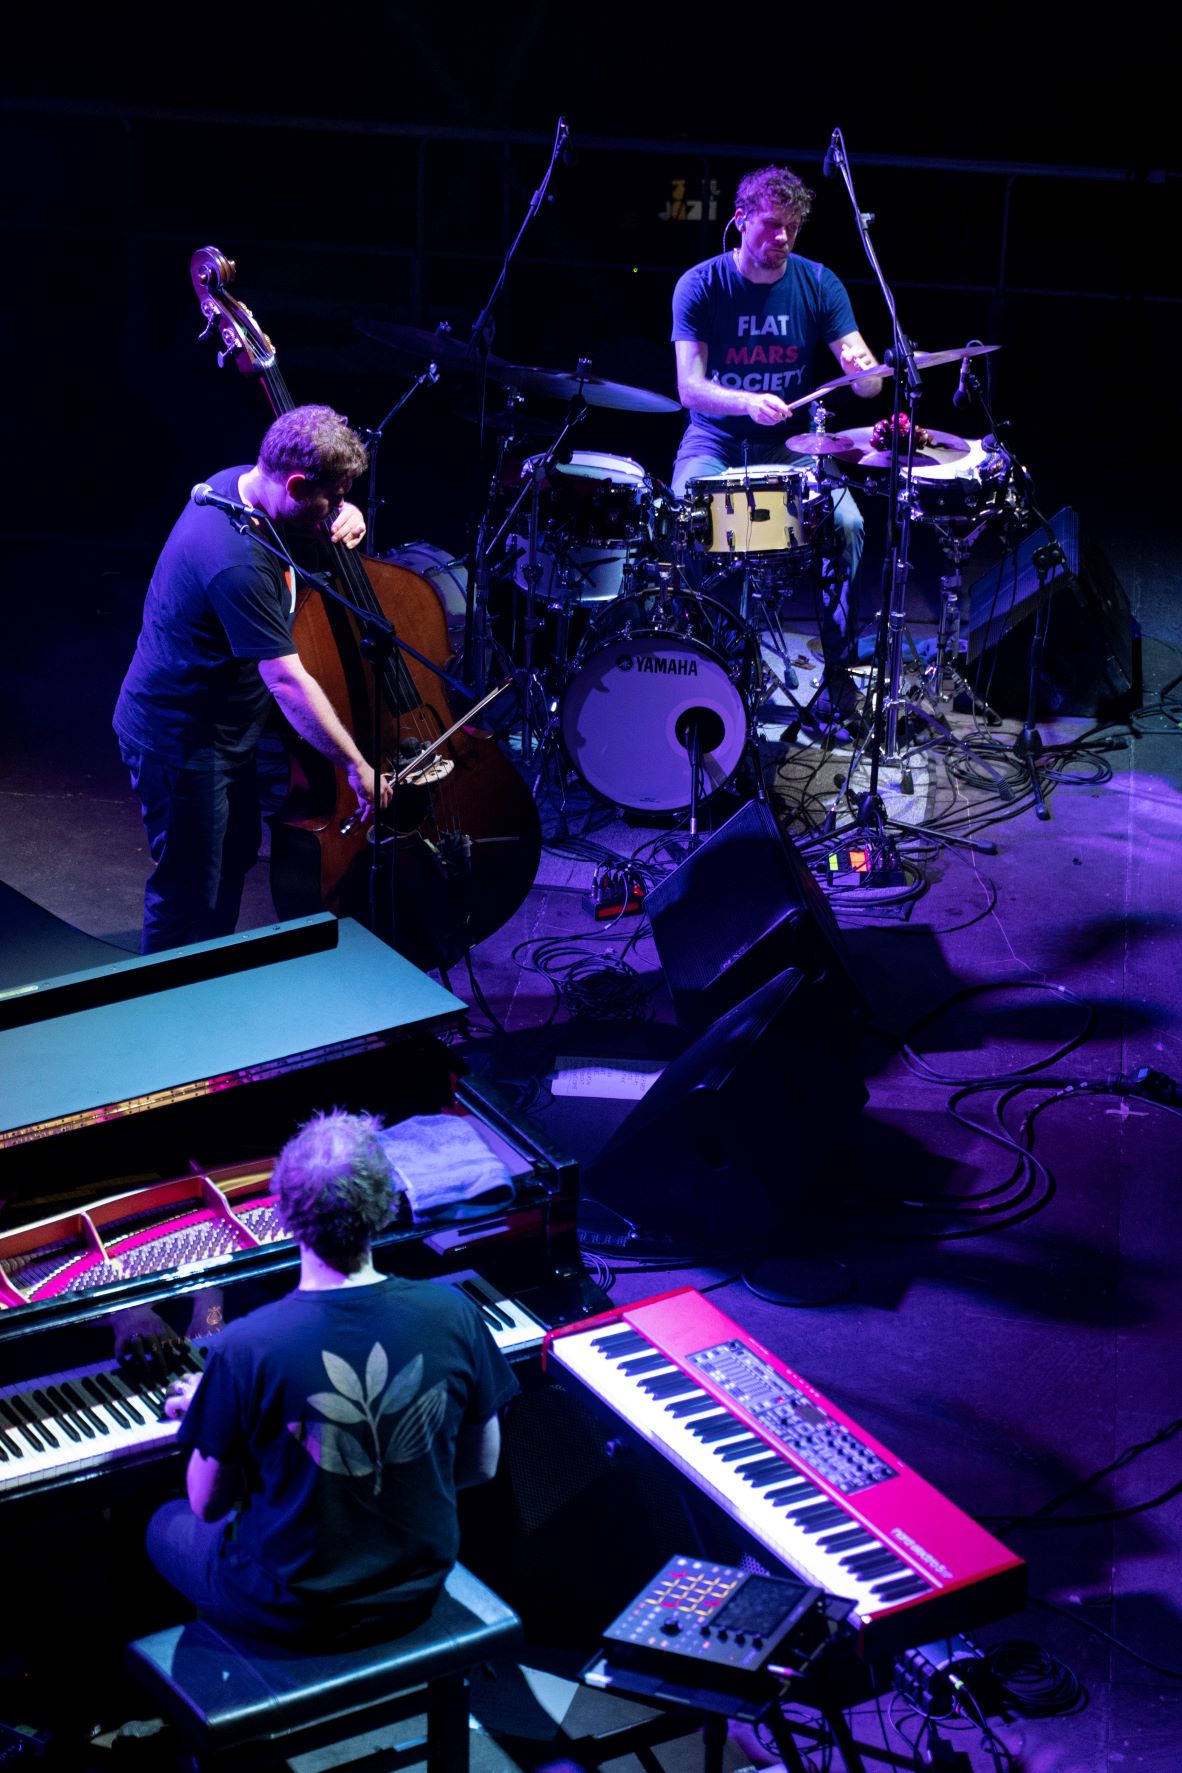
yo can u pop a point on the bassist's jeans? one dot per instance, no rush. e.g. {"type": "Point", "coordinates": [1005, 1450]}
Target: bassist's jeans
{"type": "Point", "coordinates": [203, 827]}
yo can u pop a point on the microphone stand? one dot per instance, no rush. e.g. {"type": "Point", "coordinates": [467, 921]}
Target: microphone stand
{"type": "Point", "coordinates": [476, 634]}
{"type": "Point", "coordinates": [374, 441]}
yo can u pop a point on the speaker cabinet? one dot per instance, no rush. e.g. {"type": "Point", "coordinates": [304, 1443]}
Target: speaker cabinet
{"type": "Point", "coordinates": [757, 1113]}
{"type": "Point", "coordinates": [1089, 661]}
{"type": "Point", "coordinates": [736, 912]}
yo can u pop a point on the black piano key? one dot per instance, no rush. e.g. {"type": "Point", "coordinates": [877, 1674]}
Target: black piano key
{"type": "Point", "coordinates": [818, 1519]}
{"type": "Point", "coordinates": [692, 1406]}
{"type": "Point", "coordinates": [118, 1388]}
{"type": "Point", "coordinates": [872, 1563]}
{"type": "Point", "coordinates": [663, 1385]}
{"type": "Point", "coordinates": [31, 1413]}
{"type": "Point", "coordinates": [45, 1403]}
{"type": "Point", "coordinates": [741, 1449]}
{"type": "Point", "coordinates": [616, 1343]}
{"type": "Point", "coordinates": [115, 1410]}
{"type": "Point", "coordinates": [848, 1539]}
{"type": "Point", "coordinates": [3, 1450]}
{"type": "Point", "coordinates": [19, 1427]}
{"type": "Point", "coordinates": [902, 1588]}
{"type": "Point", "coordinates": [645, 1364]}
{"type": "Point", "coordinates": [68, 1416]}
{"type": "Point", "coordinates": [765, 1470]}
{"type": "Point", "coordinates": [492, 1313]}
{"type": "Point", "coordinates": [711, 1429]}
{"type": "Point", "coordinates": [81, 1408]}
{"type": "Point", "coordinates": [790, 1493]}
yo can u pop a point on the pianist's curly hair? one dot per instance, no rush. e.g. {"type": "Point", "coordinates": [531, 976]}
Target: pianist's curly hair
{"type": "Point", "coordinates": [335, 1188]}
{"type": "Point", "coordinates": [316, 441]}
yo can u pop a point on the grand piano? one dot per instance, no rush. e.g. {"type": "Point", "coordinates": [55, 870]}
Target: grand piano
{"type": "Point", "coordinates": [142, 1102]}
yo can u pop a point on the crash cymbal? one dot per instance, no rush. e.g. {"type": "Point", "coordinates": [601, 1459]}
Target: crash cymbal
{"type": "Point", "coordinates": [560, 384]}
{"type": "Point", "coordinates": [923, 360]}
{"type": "Point", "coordinates": [819, 443]}
{"type": "Point", "coordinates": [456, 356]}
{"type": "Point", "coordinates": [941, 446]}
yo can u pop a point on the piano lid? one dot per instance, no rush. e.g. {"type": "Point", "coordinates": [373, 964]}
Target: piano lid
{"type": "Point", "coordinates": [155, 1029]}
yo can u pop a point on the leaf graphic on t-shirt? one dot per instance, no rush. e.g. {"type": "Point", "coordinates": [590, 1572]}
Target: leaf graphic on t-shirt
{"type": "Point", "coordinates": [343, 1378]}
{"type": "Point", "coordinates": [402, 1387]}
{"type": "Point", "coordinates": [343, 1453]}
{"type": "Point", "coordinates": [416, 1426]}
{"type": "Point", "coordinates": [337, 1409]}
{"type": "Point", "coordinates": [376, 1369]}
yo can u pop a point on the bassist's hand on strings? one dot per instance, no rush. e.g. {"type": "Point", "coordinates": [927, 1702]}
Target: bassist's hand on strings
{"type": "Point", "coordinates": [348, 526]}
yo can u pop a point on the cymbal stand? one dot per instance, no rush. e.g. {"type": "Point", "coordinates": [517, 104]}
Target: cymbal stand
{"type": "Point", "coordinates": [944, 681]}
{"type": "Point", "coordinates": [476, 637]}
{"type": "Point", "coordinates": [539, 468]}
{"type": "Point", "coordinates": [887, 701]}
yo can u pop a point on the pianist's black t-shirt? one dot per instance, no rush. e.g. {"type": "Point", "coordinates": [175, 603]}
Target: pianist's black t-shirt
{"type": "Point", "coordinates": [344, 1407]}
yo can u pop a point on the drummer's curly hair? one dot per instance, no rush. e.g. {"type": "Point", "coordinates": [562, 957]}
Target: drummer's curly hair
{"type": "Point", "coordinates": [314, 441]}
{"type": "Point", "coordinates": [774, 187]}
{"type": "Point", "coordinates": [335, 1188]}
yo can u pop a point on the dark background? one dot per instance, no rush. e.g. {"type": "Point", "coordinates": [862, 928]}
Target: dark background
{"type": "Point", "coordinates": [375, 161]}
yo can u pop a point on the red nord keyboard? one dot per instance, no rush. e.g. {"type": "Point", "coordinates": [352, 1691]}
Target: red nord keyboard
{"type": "Point", "coordinates": [819, 1493]}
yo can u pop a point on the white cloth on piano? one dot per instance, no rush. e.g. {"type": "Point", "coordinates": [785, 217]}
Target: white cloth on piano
{"type": "Point", "coordinates": [444, 1165]}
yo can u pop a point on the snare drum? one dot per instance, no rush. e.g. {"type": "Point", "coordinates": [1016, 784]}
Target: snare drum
{"type": "Point", "coordinates": [594, 517]}
{"type": "Point", "coordinates": [651, 668]}
{"type": "Point", "coordinates": [765, 510]}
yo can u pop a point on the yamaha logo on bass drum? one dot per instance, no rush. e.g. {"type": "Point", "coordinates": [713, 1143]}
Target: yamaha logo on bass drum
{"type": "Point", "coordinates": [663, 664]}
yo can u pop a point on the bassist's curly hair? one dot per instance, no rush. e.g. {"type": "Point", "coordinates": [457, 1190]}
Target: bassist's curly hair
{"type": "Point", "coordinates": [314, 441]}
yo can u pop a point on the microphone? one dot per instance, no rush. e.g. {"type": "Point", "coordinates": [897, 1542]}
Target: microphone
{"type": "Point", "coordinates": [203, 494]}
{"type": "Point", "coordinates": [829, 164]}
{"type": "Point", "coordinates": [964, 394]}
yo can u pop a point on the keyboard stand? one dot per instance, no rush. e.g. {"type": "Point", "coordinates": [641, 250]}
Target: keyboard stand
{"type": "Point", "coordinates": [713, 1708]}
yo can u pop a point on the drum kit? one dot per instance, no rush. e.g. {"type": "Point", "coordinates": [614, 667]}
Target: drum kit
{"type": "Point", "coordinates": [645, 682]}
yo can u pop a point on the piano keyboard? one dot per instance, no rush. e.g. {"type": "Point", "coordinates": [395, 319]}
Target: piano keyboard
{"type": "Point", "coordinates": [69, 1423]}
{"type": "Point", "coordinates": [66, 1424]}
{"type": "Point", "coordinates": [814, 1489]}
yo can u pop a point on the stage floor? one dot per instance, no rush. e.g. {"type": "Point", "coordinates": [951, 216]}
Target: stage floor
{"type": "Point", "coordinates": [1006, 1348]}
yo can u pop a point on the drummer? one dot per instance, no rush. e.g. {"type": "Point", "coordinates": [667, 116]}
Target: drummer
{"type": "Point", "coordinates": [745, 328]}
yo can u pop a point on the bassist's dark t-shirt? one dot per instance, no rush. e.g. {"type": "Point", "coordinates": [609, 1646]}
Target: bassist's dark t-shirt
{"type": "Point", "coordinates": [217, 604]}
{"type": "Point", "coordinates": [344, 1407]}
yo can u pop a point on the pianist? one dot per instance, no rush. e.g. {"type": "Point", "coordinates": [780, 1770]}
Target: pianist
{"type": "Point", "coordinates": [331, 1430]}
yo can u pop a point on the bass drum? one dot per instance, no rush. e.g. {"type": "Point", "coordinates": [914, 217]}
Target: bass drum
{"type": "Point", "coordinates": [447, 577]}
{"type": "Point", "coordinates": [650, 668]}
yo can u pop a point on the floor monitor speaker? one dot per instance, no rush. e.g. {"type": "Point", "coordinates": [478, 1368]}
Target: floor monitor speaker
{"type": "Point", "coordinates": [1089, 660]}
{"type": "Point", "coordinates": [736, 912]}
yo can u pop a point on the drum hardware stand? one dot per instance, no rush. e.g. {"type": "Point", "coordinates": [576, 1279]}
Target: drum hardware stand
{"type": "Point", "coordinates": [373, 442]}
{"type": "Point", "coordinates": [945, 682]}
{"type": "Point", "coordinates": [1028, 745]}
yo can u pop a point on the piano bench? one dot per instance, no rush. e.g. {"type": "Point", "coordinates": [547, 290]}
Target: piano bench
{"type": "Point", "coordinates": [257, 1704]}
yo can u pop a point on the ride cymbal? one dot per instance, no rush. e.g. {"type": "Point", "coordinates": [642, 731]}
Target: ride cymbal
{"type": "Point", "coordinates": [560, 384]}
{"type": "Point", "coordinates": [923, 360]}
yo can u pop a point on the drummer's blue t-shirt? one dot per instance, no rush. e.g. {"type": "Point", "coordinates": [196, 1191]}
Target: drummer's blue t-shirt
{"type": "Point", "coordinates": [758, 336]}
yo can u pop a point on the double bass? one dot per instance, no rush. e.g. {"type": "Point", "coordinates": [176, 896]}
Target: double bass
{"type": "Point", "coordinates": [467, 837]}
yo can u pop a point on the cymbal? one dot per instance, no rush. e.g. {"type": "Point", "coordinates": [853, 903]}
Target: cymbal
{"type": "Point", "coordinates": [560, 384]}
{"type": "Point", "coordinates": [923, 360]}
{"type": "Point", "coordinates": [943, 446]}
{"type": "Point", "coordinates": [455, 355]}
{"type": "Point", "coordinates": [819, 443]}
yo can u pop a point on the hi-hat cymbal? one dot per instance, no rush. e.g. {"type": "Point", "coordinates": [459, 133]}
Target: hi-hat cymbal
{"type": "Point", "coordinates": [923, 360]}
{"type": "Point", "coordinates": [458, 356]}
{"type": "Point", "coordinates": [820, 443]}
{"type": "Point", "coordinates": [560, 384]}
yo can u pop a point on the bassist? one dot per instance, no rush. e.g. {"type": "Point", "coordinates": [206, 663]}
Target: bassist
{"type": "Point", "coordinates": [215, 646]}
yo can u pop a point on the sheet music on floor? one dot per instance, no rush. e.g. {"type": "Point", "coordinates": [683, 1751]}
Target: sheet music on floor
{"type": "Point", "coordinates": [624, 1080]}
